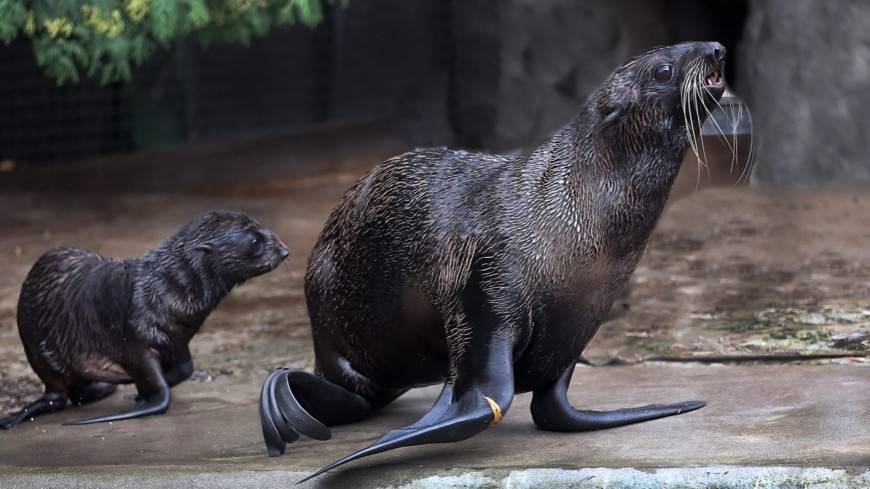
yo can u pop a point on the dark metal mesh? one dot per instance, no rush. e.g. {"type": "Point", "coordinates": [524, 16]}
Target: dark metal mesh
{"type": "Point", "coordinates": [351, 68]}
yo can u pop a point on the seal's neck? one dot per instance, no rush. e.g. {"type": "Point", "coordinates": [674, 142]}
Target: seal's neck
{"type": "Point", "coordinates": [616, 178]}
{"type": "Point", "coordinates": [181, 281]}
{"type": "Point", "coordinates": [591, 155]}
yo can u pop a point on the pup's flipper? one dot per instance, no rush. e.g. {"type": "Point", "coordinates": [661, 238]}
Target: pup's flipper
{"type": "Point", "coordinates": [48, 403]}
{"type": "Point", "coordinates": [156, 403]}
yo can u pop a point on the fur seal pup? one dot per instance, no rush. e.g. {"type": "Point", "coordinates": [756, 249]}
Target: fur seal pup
{"type": "Point", "coordinates": [89, 322]}
{"type": "Point", "coordinates": [491, 273]}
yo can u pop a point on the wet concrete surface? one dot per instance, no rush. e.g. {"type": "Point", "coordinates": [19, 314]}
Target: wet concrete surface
{"type": "Point", "coordinates": [775, 285]}
{"type": "Point", "coordinates": [741, 272]}
{"type": "Point", "coordinates": [760, 415]}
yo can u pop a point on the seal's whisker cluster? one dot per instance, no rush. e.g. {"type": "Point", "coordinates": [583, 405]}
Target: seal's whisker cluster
{"type": "Point", "coordinates": [750, 158]}
{"type": "Point", "coordinates": [694, 91]}
{"type": "Point", "coordinates": [735, 115]}
{"type": "Point", "coordinates": [690, 91]}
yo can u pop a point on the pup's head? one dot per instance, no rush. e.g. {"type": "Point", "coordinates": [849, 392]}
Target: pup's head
{"type": "Point", "coordinates": [233, 245]}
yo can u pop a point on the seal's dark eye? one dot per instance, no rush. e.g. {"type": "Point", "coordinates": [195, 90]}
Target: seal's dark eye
{"type": "Point", "coordinates": [255, 245]}
{"type": "Point", "coordinates": [664, 73]}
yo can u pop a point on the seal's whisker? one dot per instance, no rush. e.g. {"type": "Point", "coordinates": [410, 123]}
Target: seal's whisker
{"type": "Point", "coordinates": [721, 131]}
{"type": "Point", "coordinates": [750, 161]}
{"type": "Point", "coordinates": [736, 114]}
{"type": "Point", "coordinates": [685, 94]}
{"type": "Point", "coordinates": [687, 120]}
{"type": "Point", "coordinates": [699, 142]}
{"type": "Point", "coordinates": [697, 79]}
{"type": "Point", "coordinates": [696, 101]}
{"type": "Point", "coordinates": [715, 122]}
{"type": "Point", "coordinates": [688, 93]}
{"type": "Point", "coordinates": [743, 110]}
{"type": "Point", "coordinates": [734, 117]}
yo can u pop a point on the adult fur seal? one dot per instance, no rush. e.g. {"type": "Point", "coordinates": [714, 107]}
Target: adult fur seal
{"type": "Point", "coordinates": [491, 273]}
{"type": "Point", "coordinates": [89, 322]}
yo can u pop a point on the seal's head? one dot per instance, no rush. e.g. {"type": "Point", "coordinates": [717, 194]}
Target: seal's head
{"type": "Point", "coordinates": [664, 91]}
{"type": "Point", "coordinates": [232, 245]}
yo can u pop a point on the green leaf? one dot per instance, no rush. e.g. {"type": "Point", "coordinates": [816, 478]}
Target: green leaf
{"type": "Point", "coordinates": [83, 46]}
{"type": "Point", "coordinates": [163, 19]}
{"type": "Point", "coordinates": [198, 14]}
{"type": "Point", "coordinates": [13, 15]}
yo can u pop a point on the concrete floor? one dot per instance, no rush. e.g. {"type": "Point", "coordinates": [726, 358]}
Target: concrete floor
{"type": "Point", "coordinates": [759, 415]}
{"type": "Point", "coordinates": [756, 302]}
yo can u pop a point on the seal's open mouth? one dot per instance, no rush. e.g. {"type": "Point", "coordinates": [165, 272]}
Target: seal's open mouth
{"type": "Point", "coordinates": [713, 79]}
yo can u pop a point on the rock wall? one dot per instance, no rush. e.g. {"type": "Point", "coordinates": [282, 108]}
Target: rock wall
{"type": "Point", "coordinates": [805, 72]}
{"type": "Point", "coordinates": [524, 67]}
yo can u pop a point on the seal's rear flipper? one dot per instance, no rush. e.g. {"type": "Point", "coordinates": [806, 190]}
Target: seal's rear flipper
{"type": "Point", "coordinates": [294, 402]}
{"type": "Point", "coordinates": [48, 403]}
{"type": "Point", "coordinates": [551, 410]}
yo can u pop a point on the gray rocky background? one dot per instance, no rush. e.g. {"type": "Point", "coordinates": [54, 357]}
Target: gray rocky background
{"type": "Point", "coordinates": [803, 66]}
{"type": "Point", "coordinates": [805, 70]}
{"type": "Point", "coordinates": [483, 74]}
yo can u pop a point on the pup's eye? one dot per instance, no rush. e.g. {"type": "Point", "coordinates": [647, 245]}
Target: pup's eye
{"type": "Point", "coordinates": [664, 73]}
{"type": "Point", "coordinates": [255, 244]}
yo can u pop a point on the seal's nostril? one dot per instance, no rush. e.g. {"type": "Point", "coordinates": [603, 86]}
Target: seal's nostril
{"type": "Point", "coordinates": [717, 53]}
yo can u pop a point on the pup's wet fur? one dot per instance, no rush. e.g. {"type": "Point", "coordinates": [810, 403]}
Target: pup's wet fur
{"type": "Point", "coordinates": [89, 322]}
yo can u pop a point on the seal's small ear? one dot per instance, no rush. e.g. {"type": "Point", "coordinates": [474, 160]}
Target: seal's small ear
{"type": "Point", "coordinates": [621, 95]}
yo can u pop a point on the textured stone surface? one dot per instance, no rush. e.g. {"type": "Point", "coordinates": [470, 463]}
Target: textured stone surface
{"type": "Point", "coordinates": [545, 57]}
{"type": "Point", "coordinates": [804, 416]}
{"type": "Point", "coordinates": [721, 477]}
{"type": "Point", "coordinates": [805, 71]}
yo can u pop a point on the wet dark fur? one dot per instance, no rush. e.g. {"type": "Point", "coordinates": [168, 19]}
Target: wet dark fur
{"type": "Point", "coordinates": [490, 273]}
{"type": "Point", "coordinates": [87, 319]}
{"type": "Point", "coordinates": [544, 241]}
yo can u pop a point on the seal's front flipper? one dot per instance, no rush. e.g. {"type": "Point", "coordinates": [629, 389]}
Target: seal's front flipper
{"type": "Point", "coordinates": [551, 410]}
{"type": "Point", "coordinates": [48, 403]}
{"type": "Point", "coordinates": [436, 413]}
{"type": "Point", "coordinates": [153, 391]}
{"type": "Point", "coordinates": [294, 402]}
{"type": "Point", "coordinates": [477, 398]}
{"type": "Point", "coordinates": [462, 420]}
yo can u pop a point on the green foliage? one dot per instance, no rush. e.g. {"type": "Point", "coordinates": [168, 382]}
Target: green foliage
{"type": "Point", "coordinates": [108, 38]}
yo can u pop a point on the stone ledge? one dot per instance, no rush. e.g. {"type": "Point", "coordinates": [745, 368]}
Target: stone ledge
{"type": "Point", "coordinates": [720, 477]}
